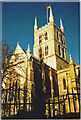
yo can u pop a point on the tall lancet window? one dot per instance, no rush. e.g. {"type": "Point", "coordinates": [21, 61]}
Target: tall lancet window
{"type": "Point", "coordinates": [40, 39]}
{"type": "Point", "coordinates": [59, 50]}
{"type": "Point", "coordinates": [40, 52]}
{"type": "Point", "coordinates": [57, 35]}
{"type": "Point", "coordinates": [46, 50]}
{"type": "Point", "coordinates": [64, 83]}
{"type": "Point", "coordinates": [61, 37]}
{"type": "Point", "coordinates": [63, 52]}
{"type": "Point", "coordinates": [46, 38]}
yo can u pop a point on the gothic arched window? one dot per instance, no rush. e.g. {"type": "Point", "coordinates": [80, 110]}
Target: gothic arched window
{"type": "Point", "coordinates": [63, 52]}
{"type": "Point", "coordinates": [46, 50]}
{"type": "Point", "coordinates": [46, 38]}
{"type": "Point", "coordinates": [61, 37]}
{"type": "Point", "coordinates": [59, 49]}
{"type": "Point", "coordinates": [40, 39]}
{"type": "Point", "coordinates": [64, 83]}
{"type": "Point", "coordinates": [57, 35]}
{"type": "Point", "coordinates": [40, 52]}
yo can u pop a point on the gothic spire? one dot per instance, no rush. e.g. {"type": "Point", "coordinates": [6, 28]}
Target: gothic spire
{"type": "Point", "coordinates": [61, 25]}
{"type": "Point", "coordinates": [35, 26]}
{"type": "Point", "coordinates": [28, 51]}
{"type": "Point", "coordinates": [71, 60]}
{"type": "Point", "coordinates": [51, 18]}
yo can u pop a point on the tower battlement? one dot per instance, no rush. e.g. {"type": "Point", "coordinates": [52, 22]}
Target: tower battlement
{"type": "Point", "coordinates": [50, 44]}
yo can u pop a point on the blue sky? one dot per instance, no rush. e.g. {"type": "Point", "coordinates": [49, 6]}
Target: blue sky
{"type": "Point", "coordinates": [18, 23]}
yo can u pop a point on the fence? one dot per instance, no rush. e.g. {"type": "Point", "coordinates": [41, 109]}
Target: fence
{"type": "Point", "coordinates": [15, 99]}
{"type": "Point", "coordinates": [59, 105]}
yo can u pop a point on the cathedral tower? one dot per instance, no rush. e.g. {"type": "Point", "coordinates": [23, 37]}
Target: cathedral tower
{"type": "Point", "coordinates": [50, 45]}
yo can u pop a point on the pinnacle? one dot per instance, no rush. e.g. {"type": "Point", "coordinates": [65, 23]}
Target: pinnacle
{"type": "Point", "coordinates": [28, 50]}
{"type": "Point", "coordinates": [35, 26]}
{"type": "Point", "coordinates": [71, 60]}
{"type": "Point", "coordinates": [61, 24]}
{"type": "Point", "coordinates": [51, 15]}
{"type": "Point", "coordinates": [70, 56]}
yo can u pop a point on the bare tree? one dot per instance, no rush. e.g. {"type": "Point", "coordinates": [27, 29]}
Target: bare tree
{"type": "Point", "coordinates": [14, 78]}
{"type": "Point", "coordinates": [6, 54]}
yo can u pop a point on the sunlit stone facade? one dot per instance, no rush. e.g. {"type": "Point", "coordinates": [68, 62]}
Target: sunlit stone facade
{"type": "Point", "coordinates": [45, 74]}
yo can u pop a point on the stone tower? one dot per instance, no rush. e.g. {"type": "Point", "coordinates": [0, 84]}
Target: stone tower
{"type": "Point", "coordinates": [50, 45]}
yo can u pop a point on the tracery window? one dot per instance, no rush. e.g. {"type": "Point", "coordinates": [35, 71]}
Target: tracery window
{"type": "Point", "coordinates": [57, 35]}
{"type": "Point", "coordinates": [63, 42]}
{"type": "Point", "coordinates": [61, 37]}
{"type": "Point", "coordinates": [46, 38]}
{"type": "Point", "coordinates": [40, 52]}
{"type": "Point", "coordinates": [40, 39]}
{"type": "Point", "coordinates": [63, 52]}
{"type": "Point", "coordinates": [64, 83]}
{"type": "Point", "coordinates": [59, 50]}
{"type": "Point", "coordinates": [46, 50]}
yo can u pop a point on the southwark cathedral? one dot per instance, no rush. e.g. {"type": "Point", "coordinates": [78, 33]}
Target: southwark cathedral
{"type": "Point", "coordinates": [45, 84]}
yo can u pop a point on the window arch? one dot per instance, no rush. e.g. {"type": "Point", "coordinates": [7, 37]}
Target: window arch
{"type": "Point", "coordinates": [40, 39]}
{"type": "Point", "coordinates": [46, 50]}
{"type": "Point", "coordinates": [45, 33]}
{"type": "Point", "coordinates": [63, 52]}
{"type": "Point", "coordinates": [61, 37]}
{"type": "Point", "coordinates": [46, 38]}
{"type": "Point", "coordinates": [40, 52]}
{"type": "Point", "coordinates": [64, 83]}
{"type": "Point", "coordinates": [59, 50]}
{"type": "Point", "coordinates": [57, 35]}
